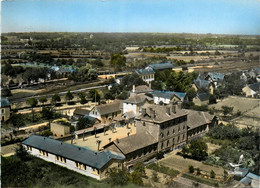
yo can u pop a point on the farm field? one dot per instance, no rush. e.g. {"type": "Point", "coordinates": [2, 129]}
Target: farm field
{"type": "Point", "coordinates": [177, 162]}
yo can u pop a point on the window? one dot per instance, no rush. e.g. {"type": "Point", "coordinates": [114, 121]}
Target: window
{"type": "Point", "coordinates": [43, 153]}
{"type": "Point", "coordinates": [162, 135]}
{"type": "Point", "coordinates": [179, 129]}
{"type": "Point", "coordinates": [29, 148]}
{"type": "Point", "coordinates": [183, 137]}
{"type": "Point", "coordinates": [80, 166]}
{"type": "Point", "coordinates": [162, 145]}
{"type": "Point", "coordinates": [183, 127]}
{"type": "Point", "coordinates": [60, 159]}
{"type": "Point", "coordinates": [173, 140]}
{"type": "Point", "coordinates": [168, 133]}
{"type": "Point", "coordinates": [173, 131]}
{"type": "Point", "coordinates": [3, 111]}
{"type": "Point", "coordinates": [168, 143]}
{"type": "Point", "coordinates": [178, 139]}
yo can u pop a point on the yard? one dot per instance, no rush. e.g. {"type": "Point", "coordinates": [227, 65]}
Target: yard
{"type": "Point", "coordinates": [91, 142]}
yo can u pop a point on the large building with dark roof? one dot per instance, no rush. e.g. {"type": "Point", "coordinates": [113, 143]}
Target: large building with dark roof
{"type": "Point", "coordinates": [146, 74]}
{"type": "Point", "coordinates": [76, 158]}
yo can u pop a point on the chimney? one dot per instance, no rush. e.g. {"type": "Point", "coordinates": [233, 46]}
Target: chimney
{"type": "Point", "coordinates": [133, 88]}
{"type": "Point", "coordinates": [174, 109]}
{"type": "Point", "coordinates": [152, 113]}
{"type": "Point", "coordinates": [168, 110]}
{"type": "Point", "coordinates": [117, 140]}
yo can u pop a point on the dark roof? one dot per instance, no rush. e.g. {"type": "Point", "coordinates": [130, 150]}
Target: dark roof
{"type": "Point", "coordinates": [216, 77]}
{"type": "Point", "coordinates": [145, 71]}
{"type": "Point", "coordinates": [80, 111]}
{"type": "Point", "coordinates": [160, 112]}
{"type": "Point", "coordinates": [168, 94]}
{"type": "Point", "coordinates": [5, 102]}
{"type": "Point", "coordinates": [161, 66]}
{"type": "Point", "coordinates": [91, 119]}
{"type": "Point", "coordinates": [109, 108]}
{"type": "Point", "coordinates": [135, 142]}
{"type": "Point", "coordinates": [137, 99]}
{"type": "Point", "coordinates": [142, 89]}
{"type": "Point", "coordinates": [255, 87]}
{"type": "Point", "coordinates": [202, 83]}
{"type": "Point", "coordinates": [203, 96]}
{"type": "Point", "coordinates": [198, 118]}
{"type": "Point", "coordinates": [72, 152]}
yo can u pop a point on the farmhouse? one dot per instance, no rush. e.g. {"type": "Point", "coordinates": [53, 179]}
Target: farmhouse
{"type": "Point", "coordinates": [5, 109]}
{"type": "Point", "coordinates": [215, 78]}
{"type": "Point", "coordinates": [79, 159]}
{"type": "Point", "coordinates": [80, 112]}
{"type": "Point", "coordinates": [202, 85]}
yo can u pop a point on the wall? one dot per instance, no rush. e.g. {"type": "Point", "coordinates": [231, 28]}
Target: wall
{"type": "Point", "coordinates": [5, 113]}
{"type": "Point", "coordinates": [60, 130]}
{"type": "Point", "coordinates": [69, 163]}
{"type": "Point", "coordinates": [129, 107]}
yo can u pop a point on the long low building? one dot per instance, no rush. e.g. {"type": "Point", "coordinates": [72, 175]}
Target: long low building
{"type": "Point", "coordinates": [76, 158]}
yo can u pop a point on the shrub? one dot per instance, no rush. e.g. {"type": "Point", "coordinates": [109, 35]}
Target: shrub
{"type": "Point", "coordinates": [198, 171]}
{"type": "Point", "coordinates": [191, 169]}
{"type": "Point", "coordinates": [212, 174]}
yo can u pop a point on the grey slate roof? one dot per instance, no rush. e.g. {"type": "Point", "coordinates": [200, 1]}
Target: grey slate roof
{"type": "Point", "coordinates": [5, 102]}
{"type": "Point", "coordinates": [203, 96]}
{"type": "Point", "coordinates": [109, 108]}
{"type": "Point", "coordinates": [142, 89]}
{"type": "Point", "coordinates": [201, 83]}
{"type": "Point", "coordinates": [168, 94]}
{"type": "Point", "coordinates": [145, 71]}
{"type": "Point", "coordinates": [72, 152]}
{"type": "Point", "coordinates": [198, 118]}
{"type": "Point", "coordinates": [161, 66]}
{"type": "Point", "coordinates": [218, 77]}
{"type": "Point", "coordinates": [160, 112]}
{"type": "Point", "coordinates": [137, 99]}
{"type": "Point", "coordinates": [80, 111]}
{"type": "Point", "coordinates": [255, 87]}
{"type": "Point", "coordinates": [135, 142]}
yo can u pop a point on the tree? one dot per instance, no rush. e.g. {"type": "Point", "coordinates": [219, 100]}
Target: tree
{"type": "Point", "coordinates": [47, 113]}
{"type": "Point", "coordinates": [225, 175]}
{"type": "Point", "coordinates": [118, 61]}
{"type": "Point", "coordinates": [69, 96]}
{"type": "Point", "coordinates": [191, 93]}
{"type": "Point", "coordinates": [212, 99]}
{"type": "Point", "coordinates": [55, 99]}
{"type": "Point", "coordinates": [212, 174]}
{"type": "Point", "coordinates": [43, 99]}
{"type": "Point", "coordinates": [32, 102]}
{"type": "Point", "coordinates": [117, 177]}
{"type": "Point", "coordinates": [94, 95]}
{"type": "Point", "coordinates": [17, 120]}
{"type": "Point", "coordinates": [82, 97]}
{"type": "Point", "coordinates": [198, 149]}
{"type": "Point", "coordinates": [227, 110]}
{"type": "Point", "coordinates": [83, 123]}
{"type": "Point", "coordinates": [191, 169]}
{"type": "Point", "coordinates": [198, 171]}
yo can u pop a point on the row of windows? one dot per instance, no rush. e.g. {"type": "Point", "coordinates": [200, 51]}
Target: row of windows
{"type": "Point", "coordinates": [43, 153]}
{"type": "Point", "coordinates": [29, 148]}
{"type": "Point", "coordinates": [173, 131]}
{"type": "Point", "coordinates": [60, 159]}
{"type": "Point", "coordinates": [173, 122]}
{"type": "Point", "coordinates": [144, 151]}
{"type": "Point", "coordinates": [148, 77]}
{"type": "Point", "coordinates": [80, 166]}
{"type": "Point", "coordinates": [173, 141]}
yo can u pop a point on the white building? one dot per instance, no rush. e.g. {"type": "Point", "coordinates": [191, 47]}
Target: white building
{"type": "Point", "coordinates": [167, 96]}
{"type": "Point", "coordinates": [76, 158]}
{"type": "Point", "coordinates": [146, 74]}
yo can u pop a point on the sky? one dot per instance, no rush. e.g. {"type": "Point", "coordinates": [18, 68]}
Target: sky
{"type": "Point", "coordinates": [166, 16]}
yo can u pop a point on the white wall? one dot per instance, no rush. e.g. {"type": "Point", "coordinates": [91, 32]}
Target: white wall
{"type": "Point", "coordinates": [129, 107]}
{"type": "Point", "coordinates": [69, 163]}
{"type": "Point", "coordinates": [158, 99]}
{"type": "Point", "coordinates": [92, 113]}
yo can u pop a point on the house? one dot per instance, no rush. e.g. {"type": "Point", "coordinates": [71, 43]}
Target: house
{"type": "Point", "coordinates": [106, 112]}
{"type": "Point", "coordinates": [215, 78]}
{"type": "Point", "coordinates": [59, 129]}
{"type": "Point", "coordinates": [167, 97]}
{"type": "Point", "coordinates": [161, 66]}
{"type": "Point", "coordinates": [82, 160]}
{"type": "Point", "coordinates": [146, 74]}
{"type": "Point", "coordinates": [199, 123]}
{"type": "Point", "coordinates": [140, 89]}
{"type": "Point", "coordinates": [158, 128]}
{"type": "Point", "coordinates": [202, 85]}
{"type": "Point", "coordinates": [252, 90]}
{"type": "Point", "coordinates": [80, 112]}
{"type": "Point", "coordinates": [201, 98]}
{"type": "Point", "coordinates": [134, 103]}
{"type": "Point", "coordinates": [5, 109]}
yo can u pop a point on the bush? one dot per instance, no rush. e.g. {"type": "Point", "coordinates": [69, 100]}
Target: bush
{"type": "Point", "coordinates": [117, 177]}
{"type": "Point", "coordinates": [198, 171]}
{"type": "Point", "coordinates": [212, 174]}
{"type": "Point", "coordinates": [163, 169]}
{"type": "Point", "coordinates": [191, 169]}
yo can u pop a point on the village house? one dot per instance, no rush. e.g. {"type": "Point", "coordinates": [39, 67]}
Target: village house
{"type": "Point", "coordinates": [5, 109]}
{"type": "Point", "coordinates": [167, 97]}
{"type": "Point", "coordinates": [146, 74]}
{"type": "Point", "coordinates": [140, 89]}
{"type": "Point", "coordinates": [201, 98]}
{"type": "Point", "coordinates": [252, 90]}
{"type": "Point", "coordinates": [134, 103]}
{"type": "Point", "coordinates": [106, 112]}
{"type": "Point", "coordinates": [215, 78]}
{"type": "Point", "coordinates": [80, 112]}
{"type": "Point", "coordinates": [202, 86]}
{"type": "Point", "coordinates": [82, 160]}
